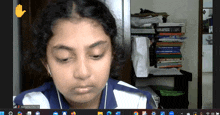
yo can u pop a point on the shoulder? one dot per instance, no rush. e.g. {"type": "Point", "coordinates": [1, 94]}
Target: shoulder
{"type": "Point", "coordinates": [129, 99]}
{"type": "Point", "coordinates": [128, 96]}
{"type": "Point", "coordinates": [37, 96]}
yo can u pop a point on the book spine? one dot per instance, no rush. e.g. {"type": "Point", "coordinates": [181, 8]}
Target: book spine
{"type": "Point", "coordinates": [171, 34]}
{"type": "Point", "coordinates": [160, 44]}
{"type": "Point", "coordinates": [170, 24]}
{"type": "Point", "coordinates": [168, 56]}
{"type": "Point", "coordinates": [170, 40]}
{"type": "Point", "coordinates": [174, 61]}
{"type": "Point", "coordinates": [169, 29]}
{"type": "Point", "coordinates": [169, 43]}
{"type": "Point", "coordinates": [169, 59]}
{"type": "Point", "coordinates": [170, 66]}
{"type": "Point", "coordinates": [168, 49]}
{"type": "Point", "coordinates": [164, 48]}
{"type": "Point", "coordinates": [142, 31]}
{"type": "Point", "coordinates": [171, 37]}
{"type": "Point", "coordinates": [168, 53]}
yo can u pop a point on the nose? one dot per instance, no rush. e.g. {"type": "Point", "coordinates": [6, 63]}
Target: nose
{"type": "Point", "coordinates": [82, 69]}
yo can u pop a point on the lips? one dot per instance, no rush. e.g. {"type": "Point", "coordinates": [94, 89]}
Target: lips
{"type": "Point", "coordinates": [83, 90]}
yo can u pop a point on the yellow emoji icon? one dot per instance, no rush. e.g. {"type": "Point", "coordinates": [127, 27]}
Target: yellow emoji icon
{"type": "Point", "coordinates": [18, 11]}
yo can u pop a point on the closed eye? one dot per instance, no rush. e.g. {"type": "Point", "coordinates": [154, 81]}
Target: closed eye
{"type": "Point", "coordinates": [97, 57]}
{"type": "Point", "coordinates": [63, 60]}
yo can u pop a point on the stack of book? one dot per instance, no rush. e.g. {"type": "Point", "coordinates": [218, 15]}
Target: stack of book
{"type": "Point", "coordinates": [169, 44]}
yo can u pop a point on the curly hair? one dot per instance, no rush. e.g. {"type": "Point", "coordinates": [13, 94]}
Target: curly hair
{"type": "Point", "coordinates": [68, 9]}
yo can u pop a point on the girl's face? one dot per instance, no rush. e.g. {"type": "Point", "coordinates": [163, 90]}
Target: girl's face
{"type": "Point", "coordinates": [79, 57]}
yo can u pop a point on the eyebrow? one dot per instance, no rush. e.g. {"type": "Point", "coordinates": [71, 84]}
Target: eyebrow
{"type": "Point", "coordinates": [60, 47]}
{"type": "Point", "coordinates": [97, 44]}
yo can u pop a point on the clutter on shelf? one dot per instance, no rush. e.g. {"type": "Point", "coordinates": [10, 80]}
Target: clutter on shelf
{"type": "Point", "coordinates": [166, 39]}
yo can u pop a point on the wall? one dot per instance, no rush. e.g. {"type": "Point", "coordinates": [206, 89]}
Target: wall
{"type": "Point", "coordinates": [180, 11]}
{"type": "Point", "coordinates": [207, 3]}
{"type": "Point", "coordinates": [16, 65]}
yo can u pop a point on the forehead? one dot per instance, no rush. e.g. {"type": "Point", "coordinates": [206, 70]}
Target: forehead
{"type": "Point", "coordinates": [77, 33]}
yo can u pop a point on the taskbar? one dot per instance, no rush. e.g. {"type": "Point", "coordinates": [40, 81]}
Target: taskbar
{"type": "Point", "coordinates": [20, 111]}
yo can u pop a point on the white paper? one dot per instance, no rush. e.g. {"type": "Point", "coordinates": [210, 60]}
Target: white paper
{"type": "Point", "coordinates": [138, 21]}
{"type": "Point", "coordinates": [140, 55]}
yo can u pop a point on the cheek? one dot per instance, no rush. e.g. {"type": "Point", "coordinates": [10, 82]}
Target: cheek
{"type": "Point", "coordinates": [101, 70]}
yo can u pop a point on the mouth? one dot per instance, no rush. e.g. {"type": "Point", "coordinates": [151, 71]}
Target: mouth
{"type": "Point", "coordinates": [83, 90]}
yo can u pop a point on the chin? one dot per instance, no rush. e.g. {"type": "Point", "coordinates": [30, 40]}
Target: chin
{"type": "Point", "coordinates": [83, 98]}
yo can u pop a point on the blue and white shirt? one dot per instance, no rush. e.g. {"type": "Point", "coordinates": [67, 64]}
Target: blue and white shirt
{"type": "Point", "coordinates": [120, 95]}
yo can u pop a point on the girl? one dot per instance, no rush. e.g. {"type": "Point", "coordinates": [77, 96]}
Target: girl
{"type": "Point", "coordinates": [76, 42]}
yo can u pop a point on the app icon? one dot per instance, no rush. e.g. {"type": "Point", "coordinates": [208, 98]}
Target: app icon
{"type": "Point", "coordinates": [194, 113]}
{"type": "Point", "coordinates": [109, 113]}
{"type": "Point", "coordinates": [37, 113]}
{"type": "Point", "coordinates": [171, 113]}
{"type": "Point", "coordinates": [100, 113]}
{"type": "Point", "coordinates": [10, 113]}
{"type": "Point", "coordinates": [135, 113]}
{"type": "Point", "coordinates": [212, 113]}
{"type": "Point", "coordinates": [162, 113]}
{"type": "Point", "coordinates": [2, 113]}
{"type": "Point", "coordinates": [19, 113]}
{"type": "Point", "coordinates": [153, 113]}
{"type": "Point", "coordinates": [188, 114]}
{"type": "Point", "coordinates": [28, 112]}
{"type": "Point", "coordinates": [55, 113]}
{"type": "Point", "coordinates": [64, 112]}
{"type": "Point", "coordinates": [207, 113]}
{"type": "Point", "coordinates": [217, 113]}
{"type": "Point", "coordinates": [73, 113]}
{"type": "Point", "coordinates": [118, 113]}
{"type": "Point", "coordinates": [144, 113]}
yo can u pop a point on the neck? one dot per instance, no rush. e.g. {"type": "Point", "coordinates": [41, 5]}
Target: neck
{"type": "Point", "coordinates": [93, 104]}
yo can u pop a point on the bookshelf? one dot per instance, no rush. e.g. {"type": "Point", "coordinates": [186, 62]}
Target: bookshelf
{"type": "Point", "coordinates": [166, 41]}
{"type": "Point", "coordinates": [158, 29]}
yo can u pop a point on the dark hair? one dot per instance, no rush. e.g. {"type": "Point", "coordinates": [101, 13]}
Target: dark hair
{"type": "Point", "coordinates": [66, 9]}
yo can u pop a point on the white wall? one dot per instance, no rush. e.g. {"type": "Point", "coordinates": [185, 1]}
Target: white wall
{"type": "Point", "coordinates": [207, 3]}
{"type": "Point", "coordinates": [180, 11]}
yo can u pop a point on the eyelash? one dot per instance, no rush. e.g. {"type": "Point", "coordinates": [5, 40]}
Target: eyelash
{"type": "Point", "coordinates": [97, 57]}
{"type": "Point", "coordinates": [62, 60]}
{"type": "Point", "coordinates": [94, 57]}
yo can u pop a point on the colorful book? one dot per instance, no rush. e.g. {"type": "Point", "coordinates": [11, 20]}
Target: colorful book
{"type": "Point", "coordinates": [171, 34]}
{"type": "Point", "coordinates": [170, 66]}
{"type": "Point", "coordinates": [169, 56]}
{"type": "Point", "coordinates": [142, 31]}
{"type": "Point", "coordinates": [168, 53]}
{"type": "Point", "coordinates": [171, 37]}
{"type": "Point", "coordinates": [163, 49]}
{"type": "Point", "coordinates": [174, 61]}
{"type": "Point", "coordinates": [170, 24]}
{"type": "Point", "coordinates": [169, 43]}
{"type": "Point", "coordinates": [171, 40]}
{"type": "Point", "coordinates": [169, 59]}
{"type": "Point", "coordinates": [175, 29]}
